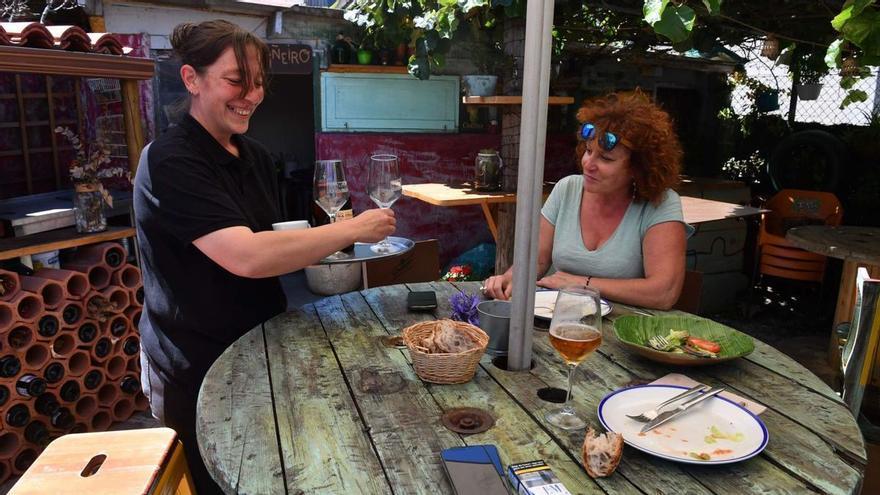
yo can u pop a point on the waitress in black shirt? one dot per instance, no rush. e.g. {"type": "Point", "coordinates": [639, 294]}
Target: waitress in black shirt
{"type": "Point", "coordinates": [204, 203]}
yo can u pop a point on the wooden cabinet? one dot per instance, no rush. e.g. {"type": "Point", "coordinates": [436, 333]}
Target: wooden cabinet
{"type": "Point", "coordinates": [28, 117]}
{"type": "Point", "coordinates": [359, 102]}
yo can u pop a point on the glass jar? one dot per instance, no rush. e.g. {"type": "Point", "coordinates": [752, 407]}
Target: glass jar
{"type": "Point", "coordinates": [88, 208]}
{"type": "Point", "coordinates": [487, 171]}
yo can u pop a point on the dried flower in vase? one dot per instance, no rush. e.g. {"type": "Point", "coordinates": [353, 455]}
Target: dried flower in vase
{"type": "Point", "coordinates": [464, 307]}
{"type": "Point", "coordinates": [86, 170]}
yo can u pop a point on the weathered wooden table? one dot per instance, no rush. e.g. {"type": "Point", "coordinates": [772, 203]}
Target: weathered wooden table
{"type": "Point", "coordinates": [313, 402]}
{"type": "Point", "coordinates": [856, 246]}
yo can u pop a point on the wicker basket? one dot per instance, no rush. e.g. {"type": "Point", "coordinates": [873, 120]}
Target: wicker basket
{"type": "Point", "coordinates": [444, 368]}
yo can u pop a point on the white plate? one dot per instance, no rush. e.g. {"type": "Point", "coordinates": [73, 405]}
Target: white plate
{"type": "Point", "coordinates": [545, 301]}
{"type": "Point", "coordinates": [688, 433]}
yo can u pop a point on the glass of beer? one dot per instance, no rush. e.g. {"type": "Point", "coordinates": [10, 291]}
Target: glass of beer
{"type": "Point", "coordinates": [575, 332]}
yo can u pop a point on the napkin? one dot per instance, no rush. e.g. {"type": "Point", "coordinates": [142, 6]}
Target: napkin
{"type": "Point", "coordinates": [683, 381]}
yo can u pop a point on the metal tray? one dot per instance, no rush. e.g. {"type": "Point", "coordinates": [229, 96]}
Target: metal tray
{"type": "Point", "coordinates": [362, 252]}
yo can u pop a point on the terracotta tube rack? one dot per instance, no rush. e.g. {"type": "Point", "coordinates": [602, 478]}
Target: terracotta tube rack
{"type": "Point", "coordinates": [7, 315]}
{"type": "Point", "coordinates": [141, 403]}
{"type": "Point", "coordinates": [23, 460]}
{"type": "Point", "coordinates": [118, 297]}
{"type": "Point", "coordinates": [75, 283]}
{"type": "Point", "coordinates": [122, 409]}
{"type": "Point", "coordinates": [10, 443]}
{"type": "Point", "coordinates": [19, 337]}
{"type": "Point", "coordinates": [98, 306]}
{"type": "Point", "coordinates": [111, 254]}
{"type": "Point", "coordinates": [116, 327]}
{"type": "Point", "coordinates": [51, 291]}
{"type": "Point", "coordinates": [36, 356]}
{"type": "Point", "coordinates": [133, 365]}
{"type": "Point", "coordinates": [85, 408]}
{"type": "Point", "coordinates": [78, 363]}
{"type": "Point", "coordinates": [10, 284]}
{"type": "Point", "coordinates": [5, 470]}
{"type": "Point", "coordinates": [98, 274]}
{"type": "Point", "coordinates": [114, 368]}
{"type": "Point", "coordinates": [28, 307]}
{"type": "Point", "coordinates": [47, 326]}
{"type": "Point", "coordinates": [101, 421]}
{"type": "Point", "coordinates": [72, 313]}
{"type": "Point", "coordinates": [108, 394]}
{"type": "Point", "coordinates": [87, 333]}
{"type": "Point", "coordinates": [129, 276]}
{"type": "Point", "coordinates": [102, 350]}
{"type": "Point", "coordinates": [63, 345]}
{"type": "Point", "coordinates": [134, 316]}
{"type": "Point", "coordinates": [137, 296]}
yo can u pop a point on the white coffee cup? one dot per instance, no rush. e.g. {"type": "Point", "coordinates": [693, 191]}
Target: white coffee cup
{"type": "Point", "coordinates": [291, 225]}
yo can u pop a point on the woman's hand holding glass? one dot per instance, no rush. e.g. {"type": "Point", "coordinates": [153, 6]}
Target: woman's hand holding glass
{"type": "Point", "coordinates": [385, 188]}
{"type": "Point", "coordinates": [372, 225]}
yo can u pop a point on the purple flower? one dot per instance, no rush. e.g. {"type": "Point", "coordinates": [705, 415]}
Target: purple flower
{"type": "Point", "coordinates": [464, 307]}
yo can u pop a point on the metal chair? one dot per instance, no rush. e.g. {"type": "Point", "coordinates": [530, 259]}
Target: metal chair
{"type": "Point", "coordinates": [860, 351]}
{"type": "Point", "coordinates": [792, 208]}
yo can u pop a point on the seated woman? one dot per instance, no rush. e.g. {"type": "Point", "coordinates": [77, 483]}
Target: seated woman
{"type": "Point", "coordinates": [618, 226]}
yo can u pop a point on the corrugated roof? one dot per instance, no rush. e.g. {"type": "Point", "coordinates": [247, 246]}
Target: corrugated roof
{"type": "Point", "coordinates": [70, 38]}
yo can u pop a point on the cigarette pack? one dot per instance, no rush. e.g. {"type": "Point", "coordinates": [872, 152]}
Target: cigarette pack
{"type": "Point", "coordinates": [535, 478]}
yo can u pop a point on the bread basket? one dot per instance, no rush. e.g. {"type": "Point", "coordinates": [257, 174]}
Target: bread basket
{"type": "Point", "coordinates": [444, 368]}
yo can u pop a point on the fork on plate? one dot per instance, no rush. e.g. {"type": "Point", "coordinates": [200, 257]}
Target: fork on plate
{"type": "Point", "coordinates": [661, 343]}
{"type": "Point", "coordinates": [652, 413]}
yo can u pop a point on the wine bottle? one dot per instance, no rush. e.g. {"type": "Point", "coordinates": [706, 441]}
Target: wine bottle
{"type": "Point", "coordinates": [62, 419]}
{"type": "Point", "coordinates": [46, 404]}
{"type": "Point", "coordinates": [139, 295]}
{"type": "Point", "coordinates": [4, 395]}
{"type": "Point", "coordinates": [9, 366]}
{"type": "Point", "coordinates": [114, 257]}
{"type": "Point", "coordinates": [103, 347]}
{"type": "Point", "coordinates": [54, 372]}
{"type": "Point", "coordinates": [37, 433]}
{"type": "Point", "coordinates": [93, 379]}
{"type": "Point", "coordinates": [25, 459]}
{"type": "Point", "coordinates": [30, 386]}
{"type": "Point", "coordinates": [118, 327]}
{"type": "Point", "coordinates": [18, 415]}
{"type": "Point", "coordinates": [69, 391]}
{"type": "Point", "coordinates": [48, 326]}
{"type": "Point", "coordinates": [71, 314]}
{"type": "Point", "coordinates": [87, 332]}
{"type": "Point", "coordinates": [131, 346]}
{"type": "Point", "coordinates": [130, 385]}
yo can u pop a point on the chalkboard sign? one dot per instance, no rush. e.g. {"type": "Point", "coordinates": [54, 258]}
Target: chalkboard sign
{"type": "Point", "coordinates": [290, 59]}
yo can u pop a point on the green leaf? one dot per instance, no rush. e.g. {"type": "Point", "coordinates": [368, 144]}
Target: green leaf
{"type": "Point", "coordinates": [713, 6]}
{"type": "Point", "coordinates": [854, 96]}
{"type": "Point", "coordinates": [676, 23]}
{"type": "Point", "coordinates": [851, 8]}
{"type": "Point", "coordinates": [864, 31]}
{"type": "Point", "coordinates": [653, 10]}
{"type": "Point", "coordinates": [467, 5]}
{"type": "Point", "coordinates": [833, 55]}
{"type": "Point", "coordinates": [419, 67]}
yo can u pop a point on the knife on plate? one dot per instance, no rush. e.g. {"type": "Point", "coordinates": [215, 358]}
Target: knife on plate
{"type": "Point", "coordinates": [681, 409]}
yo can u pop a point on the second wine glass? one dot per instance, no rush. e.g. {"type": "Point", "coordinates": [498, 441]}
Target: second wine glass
{"type": "Point", "coordinates": [331, 190]}
{"type": "Point", "coordinates": [384, 187]}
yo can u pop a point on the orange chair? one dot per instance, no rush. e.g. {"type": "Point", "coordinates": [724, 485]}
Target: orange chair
{"type": "Point", "coordinates": [794, 208]}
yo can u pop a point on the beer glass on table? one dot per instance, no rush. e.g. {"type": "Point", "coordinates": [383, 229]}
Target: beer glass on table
{"type": "Point", "coordinates": [384, 186]}
{"type": "Point", "coordinates": [575, 332]}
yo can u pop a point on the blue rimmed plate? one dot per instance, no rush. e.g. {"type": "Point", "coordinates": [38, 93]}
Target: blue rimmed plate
{"type": "Point", "coordinates": [718, 431]}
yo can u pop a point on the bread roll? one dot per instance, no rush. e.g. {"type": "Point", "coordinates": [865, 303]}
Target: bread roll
{"type": "Point", "coordinates": [601, 453]}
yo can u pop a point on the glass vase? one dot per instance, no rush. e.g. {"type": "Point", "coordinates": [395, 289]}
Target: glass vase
{"type": "Point", "coordinates": [487, 171]}
{"type": "Point", "coordinates": [88, 208]}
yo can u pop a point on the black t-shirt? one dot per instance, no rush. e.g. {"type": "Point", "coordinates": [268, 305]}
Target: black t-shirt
{"type": "Point", "coordinates": [192, 186]}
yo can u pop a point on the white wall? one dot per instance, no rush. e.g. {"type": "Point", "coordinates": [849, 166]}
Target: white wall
{"type": "Point", "coordinates": [159, 21]}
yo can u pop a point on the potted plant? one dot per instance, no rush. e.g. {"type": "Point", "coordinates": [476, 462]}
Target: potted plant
{"type": "Point", "coordinates": [812, 68]}
{"type": "Point", "coordinates": [487, 57]}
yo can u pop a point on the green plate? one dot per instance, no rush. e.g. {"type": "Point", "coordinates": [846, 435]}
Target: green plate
{"type": "Point", "coordinates": [633, 331]}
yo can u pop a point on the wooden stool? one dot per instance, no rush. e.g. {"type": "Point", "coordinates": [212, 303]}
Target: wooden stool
{"type": "Point", "coordinates": [113, 462]}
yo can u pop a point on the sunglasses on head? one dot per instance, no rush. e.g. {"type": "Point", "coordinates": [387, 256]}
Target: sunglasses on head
{"type": "Point", "coordinates": [607, 139]}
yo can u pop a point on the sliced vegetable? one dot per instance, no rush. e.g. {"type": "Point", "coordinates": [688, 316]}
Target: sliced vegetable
{"type": "Point", "coordinates": [706, 345]}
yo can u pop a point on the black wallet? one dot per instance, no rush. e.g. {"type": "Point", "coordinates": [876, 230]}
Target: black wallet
{"type": "Point", "coordinates": [421, 300]}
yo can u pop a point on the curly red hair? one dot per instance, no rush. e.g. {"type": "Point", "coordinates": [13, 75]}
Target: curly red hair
{"type": "Point", "coordinates": [656, 152]}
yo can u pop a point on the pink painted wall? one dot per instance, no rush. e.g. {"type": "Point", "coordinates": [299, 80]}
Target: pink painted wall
{"type": "Point", "coordinates": [445, 158]}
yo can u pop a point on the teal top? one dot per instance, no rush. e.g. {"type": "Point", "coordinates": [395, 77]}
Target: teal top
{"type": "Point", "coordinates": [621, 255]}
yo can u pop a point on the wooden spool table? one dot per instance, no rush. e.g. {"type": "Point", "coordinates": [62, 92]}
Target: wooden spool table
{"type": "Point", "coordinates": [856, 246]}
{"type": "Point", "coordinates": [312, 401]}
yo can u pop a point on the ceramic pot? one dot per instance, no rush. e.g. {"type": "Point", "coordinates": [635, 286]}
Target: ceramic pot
{"type": "Point", "coordinates": [479, 85]}
{"type": "Point", "coordinates": [809, 92]}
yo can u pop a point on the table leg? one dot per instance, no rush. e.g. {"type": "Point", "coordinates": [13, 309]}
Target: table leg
{"type": "Point", "coordinates": [491, 212]}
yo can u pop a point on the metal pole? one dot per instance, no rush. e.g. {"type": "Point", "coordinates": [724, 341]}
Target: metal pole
{"type": "Point", "coordinates": [533, 134]}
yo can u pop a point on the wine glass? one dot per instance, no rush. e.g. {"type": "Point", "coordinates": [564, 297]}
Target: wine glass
{"type": "Point", "coordinates": [330, 190]}
{"type": "Point", "coordinates": [384, 187]}
{"type": "Point", "coordinates": [575, 332]}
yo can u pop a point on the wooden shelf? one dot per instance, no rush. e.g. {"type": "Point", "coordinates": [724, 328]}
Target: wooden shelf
{"type": "Point", "coordinates": [36, 123]}
{"type": "Point", "coordinates": [368, 69]}
{"type": "Point", "coordinates": [511, 100]}
{"type": "Point", "coordinates": [58, 239]}
{"type": "Point", "coordinates": [61, 62]}
{"type": "Point", "coordinates": [12, 96]}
